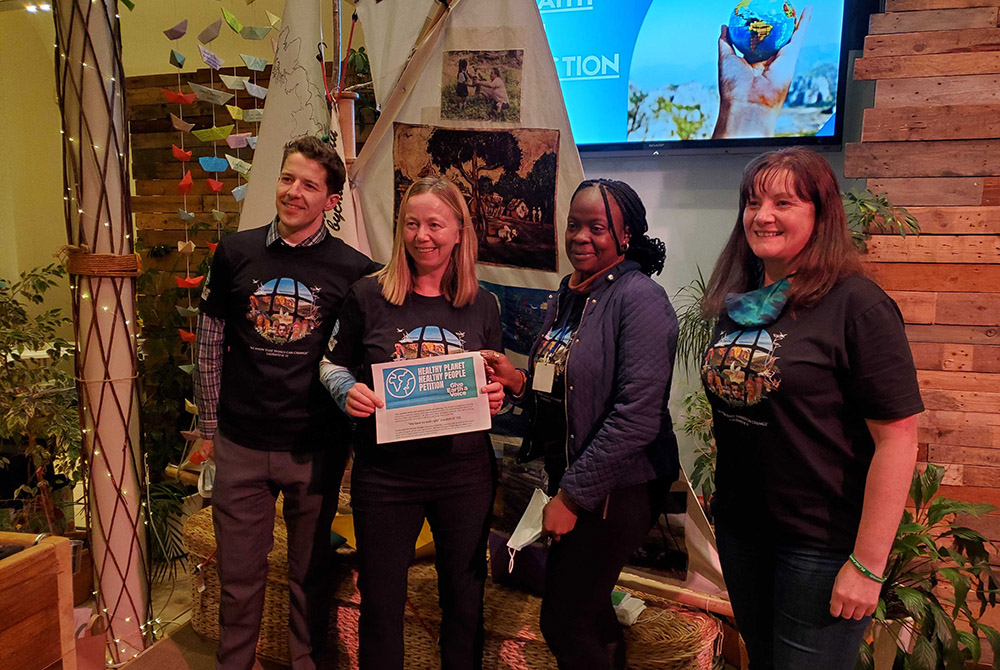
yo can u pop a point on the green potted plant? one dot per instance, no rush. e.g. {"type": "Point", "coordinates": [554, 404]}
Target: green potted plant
{"type": "Point", "coordinates": [939, 582]}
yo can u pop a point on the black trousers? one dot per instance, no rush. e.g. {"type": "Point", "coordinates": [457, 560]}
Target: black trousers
{"type": "Point", "coordinates": [578, 620]}
{"type": "Point", "coordinates": [386, 534]}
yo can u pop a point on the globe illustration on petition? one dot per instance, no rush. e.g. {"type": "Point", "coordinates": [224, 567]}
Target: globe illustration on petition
{"type": "Point", "coordinates": [758, 28]}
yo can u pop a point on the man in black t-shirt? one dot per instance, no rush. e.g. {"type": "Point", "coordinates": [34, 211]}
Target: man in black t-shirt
{"type": "Point", "coordinates": [268, 311]}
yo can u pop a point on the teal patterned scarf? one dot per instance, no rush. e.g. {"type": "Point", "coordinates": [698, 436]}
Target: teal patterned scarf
{"type": "Point", "coordinates": [758, 308]}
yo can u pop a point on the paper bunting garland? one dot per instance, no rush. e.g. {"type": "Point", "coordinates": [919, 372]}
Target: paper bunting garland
{"type": "Point", "coordinates": [272, 19]}
{"type": "Point", "coordinates": [234, 83]}
{"type": "Point", "coordinates": [188, 369]}
{"type": "Point", "coordinates": [235, 112]}
{"type": "Point", "coordinates": [254, 63]}
{"type": "Point", "coordinates": [209, 58]}
{"type": "Point", "coordinates": [238, 140]}
{"type": "Point", "coordinates": [187, 335]}
{"type": "Point", "coordinates": [190, 407]}
{"type": "Point", "coordinates": [211, 246]}
{"type": "Point", "coordinates": [210, 33]}
{"type": "Point", "coordinates": [177, 98]}
{"type": "Point", "coordinates": [177, 59]}
{"type": "Point", "coordinates": [240, 192]}
{"type": "Point", "coordinates": [186, 312]}
{"type": "Point", "coordinates": [185, 216]}
{"type": "Point", "coordinates": [210, 94]}
{"type": "Point", "coordinates": [180, 154]}
{"type": "Point", "coordinates": [185, 247]}
{"type": "Point", "coordinates": [231, 19]}
{"type": "Point", "coordinates": [238, 165]}
{"type": "Point", "coordinates": [213, 133]}
{"type": "Point", "coordinates": [214, 186]}
{"type": "Point", "coordinates": [185, 184]}
{"type": "Point", "coordinates": [189, 282]}
{"type": "Point", "coordinates": [178, 31]}
{"type": "Point", "coordinates": [219, 216]}
{"type": "Point", "coordinates": [180, 124]}
{"type": "Point", "coordinates": [252, 141]}
{"type": "Point", "coordinates": [213, 164]}
{"type": "Point", "coordinates": [253, 115]}
{"type": "Point", "coordinates": [255, 32]}
{"type": "Point", "coordinates": [256, 91]}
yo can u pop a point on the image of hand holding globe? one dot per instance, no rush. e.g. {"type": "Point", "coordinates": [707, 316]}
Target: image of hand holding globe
{"type": "Point", "coordinates": [758, 48]}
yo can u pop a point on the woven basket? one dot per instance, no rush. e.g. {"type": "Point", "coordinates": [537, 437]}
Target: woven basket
{"type": "Point", "coordinates": [666, 636]}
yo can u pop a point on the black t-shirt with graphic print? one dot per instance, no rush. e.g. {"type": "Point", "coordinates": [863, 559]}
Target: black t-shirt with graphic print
{"type": "Point", "coordinates": [789, 403]}
{"type": "Point", "coordinates": [374, 331]}
{"type": "Point", "coordinates": [279, 304]}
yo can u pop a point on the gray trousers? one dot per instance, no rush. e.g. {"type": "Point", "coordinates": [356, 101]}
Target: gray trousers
{"type": "Point", "coordinates": [246, 487]}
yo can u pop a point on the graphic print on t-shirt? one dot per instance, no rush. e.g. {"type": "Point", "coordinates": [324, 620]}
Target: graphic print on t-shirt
{"type": "Point", "coordinates": [428, 341]}
{"type": "Point", "coordinates": [741, 367]}
{"type": "Point", "coordinates": [283, 310]}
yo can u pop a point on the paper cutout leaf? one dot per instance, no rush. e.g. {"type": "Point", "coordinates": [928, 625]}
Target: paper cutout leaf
{"type": "Point", "coordinates": [209, 57]}
{"type": "Point", "coordinates": [190, 407]}
{"type": "Point", "coordinates": [219, 216]}
{"type": "Point", "coordinates": [235, 112]}
{"type": "Point", "coordinates": [210, 94]}
{"type": "Point", "coordinates": [210, 33]}
{"type": "Point", "coordinates": [254, 63]}
{"type": "Point", "coordinates": [213, 164]}
{"type": "Point", "coordinates": [189, 282]}
{"type": "Point", "coordinates": [211, 246]}
{"type": "Point", "coordinates": [180, 154]}
{"type": "Point", "coordinates": [252, 141]}
{"type": "Point", "coordinates": [237, 140]}
{"type": "Point", "coordinates": [188, 369]}
{"type": "Point", "coordinates": [178, 98]}
{"type": "Point", "coordinates": [185, 216]}
{"type": "Point", "coordinates": [256, 91]}
{"type": "Point", "coordinates": [213, 133]}
{"type": "Point", "coordinates": [178, 31]}
{"type": "Point", "coordinates": [272, 19]}
{"type": "Point", "coordinates": [238, 164]}
{"type": "Point", "coordinates": [185, 184]}
{"type": "Point", "coordinates": [129, 4]}
{"type": "Point", "coordinates": [180, 124]}
{"type": "Point", "coordinates": [231, 19]}
{"type": "Point", "coordinates": [214, 186]}
{"type": "Point", "coordinates": [240, 192]}
{"type": "Point", "coordinates": [177, 59]}
{"type": "Point", "coordinates": [185, 247]}
{"type": "Point", "coordinates": [186, 312]}
{"type": "Point", "coordinates": [234, 83]}
{"type": "Point", "coordinates": [255, 32]}
{"type": "Point", "coordinates": [253, 115]}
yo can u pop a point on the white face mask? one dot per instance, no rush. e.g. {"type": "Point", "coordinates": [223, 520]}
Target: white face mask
{"type": "Point", "coordinates": [529, 528]}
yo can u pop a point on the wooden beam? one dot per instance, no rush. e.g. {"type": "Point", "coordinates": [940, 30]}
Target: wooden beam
{"type": "Point", "coordinates": [169, 186]}
{"type": "Point", "coordinates": [916, 306]}
{"type": "Point", "coordinates": [957, 220]}
{"type": "Point", "coordinates": [161, 221]}
{"type": "Point", "coordinates": [958, 309]}
{"type": "Point", "coordinates": [931, 190]}
{"type": "Point", "coordinates": [971, 335]}
{"type": "Point", "coordinates": [955, 357]}
{"type": "Point", "coordinates": [939, 277]}
{"type": "Point", "coordinates": [930, 65]}
{"type": "Point", "coordinates": [944, 122]}
{"type": "Point", "coordinates": [968, 401]}
{"type": "Point", "coordinates": [946, 418]}
{"type": "Point", "coordinates": [958, 381]}
{"type": "Point", "coordinates": [934, 249]}
{"type": "Point", "coordinates": [933, 19]}
{"type": "Point", "coordinates": [171, 203]}
{"type": "Point", "coordinates": [934, 42]}
{"type": "Point", "coordinates": [933, 158]}
{"type": "Point", "coordinates": [919, 5]}
{"type": "Point", "coordinates": [983, 89]}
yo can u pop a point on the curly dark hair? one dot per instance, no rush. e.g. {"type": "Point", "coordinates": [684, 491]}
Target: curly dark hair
{"type": "Point", "coordinates": [323, 153]}
{"type": "Point", "coordinates": [648, 252]}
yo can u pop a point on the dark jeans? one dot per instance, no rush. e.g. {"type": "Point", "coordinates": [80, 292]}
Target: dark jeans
{"type": "Point", "coordinates": [578, 619]}
{"type": "Point", "coordinates": [386, 535]}
{"type": "Point", "coordinates": [247, 484]}
{"type": "Point", "coordinates": [781, 599]}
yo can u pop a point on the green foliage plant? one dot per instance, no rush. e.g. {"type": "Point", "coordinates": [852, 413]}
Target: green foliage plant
{"type": "Point", "coordinates": [869, 213]}
{"type": "Point", "coordinates": [939, 582]}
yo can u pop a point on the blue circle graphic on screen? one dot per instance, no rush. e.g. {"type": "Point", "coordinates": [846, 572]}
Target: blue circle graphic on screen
{"type": "Point", "coordinates": [759, 28]}
{"type": "Point", "coordinates": [400, 383]}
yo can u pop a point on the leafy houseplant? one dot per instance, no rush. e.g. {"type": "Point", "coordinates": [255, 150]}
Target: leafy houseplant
{"type": "Point", "coordinates": [39, 422]}
{"type": "Point", "coordinates": [934, 566]}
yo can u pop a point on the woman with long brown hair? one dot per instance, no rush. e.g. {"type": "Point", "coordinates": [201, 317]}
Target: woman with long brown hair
{"type": "Point", "coordinates": [814, 399]}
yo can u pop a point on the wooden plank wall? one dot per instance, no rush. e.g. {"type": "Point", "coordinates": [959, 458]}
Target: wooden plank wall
{"type": "Point", "coordinates": [932, 144]}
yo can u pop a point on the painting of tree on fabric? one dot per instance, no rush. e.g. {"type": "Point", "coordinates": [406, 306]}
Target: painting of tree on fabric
{"type": "Point", "coordinates": [508, 177]}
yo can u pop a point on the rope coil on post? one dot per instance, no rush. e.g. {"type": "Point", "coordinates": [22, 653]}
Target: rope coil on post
{"type": "Point", "coordinates": [80, 261]}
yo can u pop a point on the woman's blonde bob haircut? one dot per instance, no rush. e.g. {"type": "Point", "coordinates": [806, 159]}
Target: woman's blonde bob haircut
{"type": "Point", "coordinates": [459, 283]}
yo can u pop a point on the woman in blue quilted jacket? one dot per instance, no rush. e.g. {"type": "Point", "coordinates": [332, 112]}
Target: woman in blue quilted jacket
{"type": "Point", "coordinates": [599, 380]}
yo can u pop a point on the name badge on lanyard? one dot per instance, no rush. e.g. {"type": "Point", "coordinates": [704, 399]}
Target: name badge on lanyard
{"type": "Point", "coordinates": [544, 377]}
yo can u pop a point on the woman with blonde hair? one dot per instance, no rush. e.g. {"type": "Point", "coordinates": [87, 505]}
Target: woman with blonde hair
{"type": "Point", "coordinates": [424, 302]}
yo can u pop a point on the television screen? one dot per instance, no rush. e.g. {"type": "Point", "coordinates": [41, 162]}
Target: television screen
{"type": "Point", "coordinates": [653, 74]}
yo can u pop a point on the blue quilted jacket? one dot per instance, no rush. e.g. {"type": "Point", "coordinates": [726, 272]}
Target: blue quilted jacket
{"type": "Point", "coordinates": [618, 374]}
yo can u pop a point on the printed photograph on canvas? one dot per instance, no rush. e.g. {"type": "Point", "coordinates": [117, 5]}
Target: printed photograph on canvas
{"type": "Point", "coordinates": [508, 177]}
{"type": "Point", "coordinates": [482, 85]}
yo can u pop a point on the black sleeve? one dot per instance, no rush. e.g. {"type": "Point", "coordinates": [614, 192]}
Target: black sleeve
{"type": "Point", "coordinates": [882, 377]}
{"type": "Point", "coordinates": [346, 347]}
{"type": "Point", "coordinates": [493, 332]}
{"type": "Point", "coordinates": [217, 284]}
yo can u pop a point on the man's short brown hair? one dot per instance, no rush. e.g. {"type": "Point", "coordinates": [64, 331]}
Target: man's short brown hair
{"type": "Point", "coordinates": [323, 153]}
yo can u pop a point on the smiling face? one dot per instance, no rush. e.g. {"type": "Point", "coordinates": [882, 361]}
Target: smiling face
{"type": "Point", "coordinates": [302, 198]}
{"type": "Point", "coordinates": [778, 224]}
{"type": "Point", "coordinates": [430, 232]}
{"type": "Point", "coordinates": [589, 243]}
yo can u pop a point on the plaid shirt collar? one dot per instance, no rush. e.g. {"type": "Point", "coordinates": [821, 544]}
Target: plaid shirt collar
{"type": "Point", "coordinates": [273, 236]}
